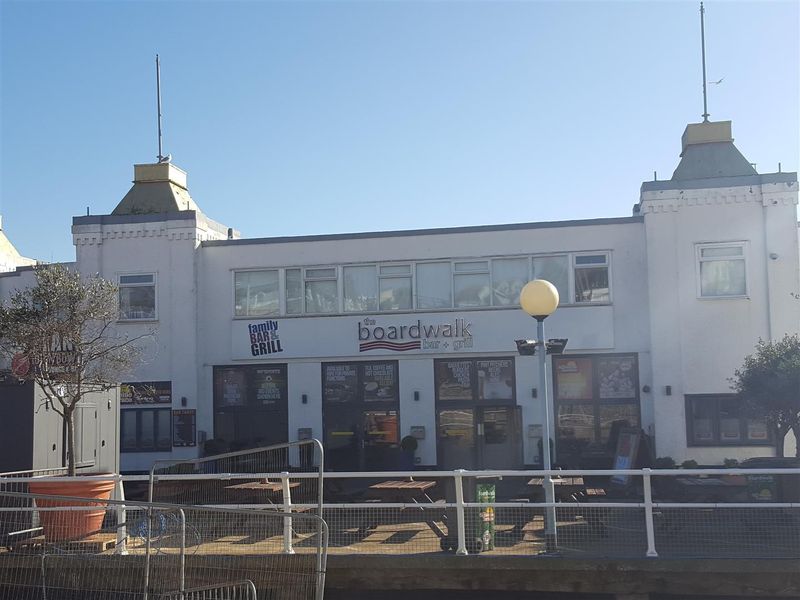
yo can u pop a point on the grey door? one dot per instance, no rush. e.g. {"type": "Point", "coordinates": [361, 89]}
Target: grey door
{"type": "Point", "coordinates": [499, 437]}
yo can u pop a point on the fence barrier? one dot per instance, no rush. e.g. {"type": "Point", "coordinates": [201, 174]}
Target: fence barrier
{"type": "Point", "coordinates": [166, 552]}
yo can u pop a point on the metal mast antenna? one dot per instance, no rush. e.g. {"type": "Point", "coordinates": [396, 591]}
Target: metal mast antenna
{"type": "Point", "coordinates": [703, 44]}
{"type": "Point", "coordinates": [158, 93]}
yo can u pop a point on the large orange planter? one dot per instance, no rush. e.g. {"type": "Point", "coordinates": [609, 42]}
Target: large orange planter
{"type": "Point", "coordinates": [67, 525]}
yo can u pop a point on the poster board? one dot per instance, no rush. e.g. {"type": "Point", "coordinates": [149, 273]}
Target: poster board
{"type": "Point", "coordinates": [184, 427]}
{"type": "Point", "coordinates": [626, 454]}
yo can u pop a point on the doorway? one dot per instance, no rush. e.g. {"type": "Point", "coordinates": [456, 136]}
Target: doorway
{"type": "Point", "coordinates": [480, 437]}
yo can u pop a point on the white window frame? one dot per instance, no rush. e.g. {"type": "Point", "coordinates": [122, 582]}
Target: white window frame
{"type": "Point", "coordinates": [572, 284]}
{"type": "Point", "coordinates": [412, 275]}
{"type": "Point", "coordinates": [281, 298]}
{"type": "Point", "coordinates": [154, 284]}
{"type": "Point", "coordinates": [342, 299]}
{"type": "Point", "coordinates": [700, 246]}
{"type": "Point", "coordinates": [339, 288]}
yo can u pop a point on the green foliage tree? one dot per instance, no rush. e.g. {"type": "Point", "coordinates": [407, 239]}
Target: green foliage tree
{"type": "Point", "coordinates": [63, 327]}
{"type": "Point", "coordinates": [769, 383]}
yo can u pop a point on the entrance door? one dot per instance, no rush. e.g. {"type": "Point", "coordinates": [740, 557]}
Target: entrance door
{"type": "Point", "coordinates": [479, 438]}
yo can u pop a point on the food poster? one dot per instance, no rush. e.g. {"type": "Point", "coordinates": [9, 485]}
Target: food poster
{"type": "Point", "coordinates": [617, 377]}
{"type": "Point", "coordinates": [270, 386]}
{"type": "Point", "coordinates": [573, 378]}
{"type": "Point", "coordinates": [341, 383]}
{"type": "Point", "coordinates": [495, 379]}
{"type": "Point", "coordinates": [231, 386]}
{"type": "Point", "coordinates": [379, 381]}
{"type": "Point", "coordinates": [454, 380]}
{"type": "Point", "coordinates": [146, 392]}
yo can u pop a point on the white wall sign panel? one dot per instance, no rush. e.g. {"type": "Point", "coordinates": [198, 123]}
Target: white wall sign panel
{"type": "Point", "coordinates": [588, 328]}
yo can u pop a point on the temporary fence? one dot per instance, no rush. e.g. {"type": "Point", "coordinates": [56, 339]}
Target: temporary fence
{"type": "Point", "coordinates": [156, 551]}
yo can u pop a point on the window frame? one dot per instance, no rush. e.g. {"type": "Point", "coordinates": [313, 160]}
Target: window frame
{"type": "Point", "coordinates": [136, 413]}
{"type": "Point", "coordinates": [573, 280]}
{"type": "Point", "coordinates": [153, 284]}
{"type": "Point", "coordinates": [717, 442]}
{"type": "Point", "coordinates": [343, 294]}
{"type": "Point", "coordinates": [411, 276]}
{"type": "Point", "coordinates": [698, 250]}
{"type": "Point", "coordinates": [336, 278]}
{"type": "Point", "coordinates": [281, 292]}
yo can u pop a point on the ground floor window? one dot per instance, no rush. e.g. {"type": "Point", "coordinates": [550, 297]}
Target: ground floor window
{"type": "Point", "coordinates": [146, 429]}
{"type": "Point", "coordinates": [719, 420]}
{"type": "Point", "coordinates": [250, 406]}
{"type": "Point", "coordinates": [595, 397]}
{"type": "Point", "coordinates": [361, 417]}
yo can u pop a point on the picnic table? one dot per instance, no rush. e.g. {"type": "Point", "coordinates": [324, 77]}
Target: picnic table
{"type": "Point", "coordinates": [408, 491]}
{"type": "Point", "coordinates": [262, 490]}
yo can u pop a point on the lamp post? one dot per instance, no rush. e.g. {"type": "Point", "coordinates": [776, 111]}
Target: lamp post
{"type": "Point", "coordinates": [539, 298]}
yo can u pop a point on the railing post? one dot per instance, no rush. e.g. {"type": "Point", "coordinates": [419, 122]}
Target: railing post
{"type": "Point", "coordinates": [550, 526]}
{"type": "Point", "coordinates": [183, 552]}
{"type": "Point", "coordinates": [462, 537]}
{"type": "Point", "coordinates": [287, 508]}
{"type": "Point", "coordinates": [122, 529]}
{"type": "Point", "coordinates": [648, 514]}
{"type": "Point", "coordinates": [148, 533]}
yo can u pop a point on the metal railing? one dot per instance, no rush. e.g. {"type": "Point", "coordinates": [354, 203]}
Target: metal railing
{"type": "Point", "coordinates": [155, 551]}
{"type": "Point", "coordinates": [675, 513]}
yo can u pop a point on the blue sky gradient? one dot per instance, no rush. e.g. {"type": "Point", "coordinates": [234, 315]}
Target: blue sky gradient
{"type": "Point", "coordinates": [324, 117]}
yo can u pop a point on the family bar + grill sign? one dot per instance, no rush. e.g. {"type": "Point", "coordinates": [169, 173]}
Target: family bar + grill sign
{"type": "Point", "coordinates": [451, 336]}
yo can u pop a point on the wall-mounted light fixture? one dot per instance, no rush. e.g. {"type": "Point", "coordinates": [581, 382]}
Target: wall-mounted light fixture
{"type": "Point", "coordinates": [416, 395]}
{"type": "Point", "coordinates": [668, 390]}
{"type": "Point", "coordinates": [304, 398]}
{"type": "Point", "coordinates": [534, 393]}
{"type": "Point", "coordinates": [646, 389]}
{"type": "Point", "coordinates": [183, 401]}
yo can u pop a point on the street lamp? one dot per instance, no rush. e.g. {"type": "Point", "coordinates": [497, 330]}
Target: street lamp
{"type": "Point", "coordinates": [539, 298]}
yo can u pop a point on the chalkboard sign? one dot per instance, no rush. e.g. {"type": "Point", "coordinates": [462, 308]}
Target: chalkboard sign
{"type": "Point", "coordinates": [184, 427]}
{"type": "Point", "coordinates": [625, 456]}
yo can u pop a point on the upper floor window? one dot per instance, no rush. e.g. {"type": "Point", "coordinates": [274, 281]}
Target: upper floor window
{"type": "Point", "coordinates": [434, 285]}
{"type": "Point", "coordinates": [360, 288]}
{"type": "Point", "coordinates": [721, 270]}
{"type": "Point", "coordinates": [472, 284]}
{"type": "Point", "coordinates": [321, 290]}
{"type": "Point", "coordinates": [256, 293]}
{"type": "Point", "coordinates": [591, 278]}
{"type": "Point", "coordinates": [137, 297]}
{"type": "Point", "coordinates": [395, 287]}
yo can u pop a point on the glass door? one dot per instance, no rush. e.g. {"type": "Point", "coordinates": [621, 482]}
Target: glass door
{"type": "Point", "coordinates": [456, 439]}
{"type": "Point", "coordinates": [499, 437]}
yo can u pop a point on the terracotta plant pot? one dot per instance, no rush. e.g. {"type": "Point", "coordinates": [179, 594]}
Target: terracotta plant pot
{"type": "Point", "coordinates": [68, 525]}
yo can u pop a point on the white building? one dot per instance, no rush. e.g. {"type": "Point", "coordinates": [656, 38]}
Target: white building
{"type": "Point", "coordinates": [363, 339]}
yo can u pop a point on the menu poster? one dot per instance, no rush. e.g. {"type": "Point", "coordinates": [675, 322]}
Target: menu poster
{"type": "Point", "coordinates": [379, 381]}
{"type": "Point", "coordinates": [454, 379]}
{"type": "Point", "coordinates": [341, 383]}
{"type": "Point", "coordinates": [573, 378]}
{"type": "Point", "coordinates": [496, 379]}
{"type": "Point", "coordinates": [184, 427]}
{"type": "Point", "coordinates": [146, 392]}
{"type": "Point", "coordinates": [232, 388]}
{"type": "Point", "coordinates": [617, 377]}
{"type": "Point", "coordinates": [626, 454]}
{"type": "Point", "coordinates": [270, 385]}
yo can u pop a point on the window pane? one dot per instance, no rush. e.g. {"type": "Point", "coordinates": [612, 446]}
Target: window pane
{"type": "Point", "coordinates": [137, 302]}
{"type": "Point", "coordinates": [433, 285]}
{"type": "Point", "coordinates": [396, 270]}
{"type": "Point", "coordinates": [592, 259]}
{"type": "Point", "coordinates": [294, 292]}
{"type": "Point", "coordinates": [379, 381]}
{"type": "Point", "coordinates": [256, 293]}
{"type": "Point", "coordinates": [127, 279]}
{"type": "Point", "coordinates": [722, 278]}
{"type": "Point", "coordinates": [721, 251]}
{"type": "Point", "coordinates": [380, 428]}
{"type": "Point", "coordinates": [147, 439]}
{"type": "Point", "coordinates": [360, 289]}
{"type": "Point", "coordinates": [495, 379]}
{"type": "Point", "coordinates": [757, 430]}
{"type": "Point", "coordinates": [554, 269]}
{"type": "Point", "coordinates": [472, 290]}
{"type": "Point", "coordinates": [128, 429]}
{"type": "Point", "coordinates": [471, 267]}
{"type": "Point", "coordinates": [576, 421]}
{"type": "Point", "coordinates": [508, 278]}
{"type": "Point", "coordinates": [164, 431]}
{"type": "Point", "coordinates": [454, 380]}
{"type": "Point", "coordinates": [321, 297]}
{"type": "Point", "coordinates": [395, 293]}
{"type": "Point", "coordinates": [340, 383]}
{"type": "Point", "coordinates": [730, 425]}
{"type": "Point", "coordinates": [591, 285]}
{"type": "Point", "coordinates": [626, 414]}
{"type": "Point", "coordinates": [495, 426]}
{"type": "Point", "coordinates": [702, 416]}
{"type": "Point", "coordinates": [327, 273]}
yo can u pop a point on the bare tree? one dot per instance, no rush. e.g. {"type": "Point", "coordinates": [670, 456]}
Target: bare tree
{"type": "Point", "coordinates": [63, 328]}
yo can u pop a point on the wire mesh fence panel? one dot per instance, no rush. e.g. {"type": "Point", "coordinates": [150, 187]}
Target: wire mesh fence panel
{"type": "Point", "coordinates": [242, 590]}
{"type": "Point", "coordinates": [162, 550]}
{"type": "Point", "coordinates": [723, 531]}
{"type": "Point", "coordinates": [222, 480]}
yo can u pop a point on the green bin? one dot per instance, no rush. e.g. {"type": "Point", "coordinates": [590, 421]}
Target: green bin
{"type": "Point", "coordinates": [485, 493]}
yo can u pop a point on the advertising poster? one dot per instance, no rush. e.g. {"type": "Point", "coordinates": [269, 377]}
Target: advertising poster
{"type": "Point", "coordinates": [341, 383]}
{"type": "Point", "coordinates": [146, 392]}
{"type": "Point", "coordinates": [495, 379]}
{"type": "Point", "coordinates": [617, 377]}
{"type": "Point", "coordinates": [454, 380]}
{"type": "Point", "coordinates": [231, 387]}
{"type": "Point", "coordinates": [573, 378]}
{"type": "Point", "coordinates": [379, 381]}
{"type": "Point", "coordinates": [184, 427]}
{"type": "Point", "coordinates": [270, 386]}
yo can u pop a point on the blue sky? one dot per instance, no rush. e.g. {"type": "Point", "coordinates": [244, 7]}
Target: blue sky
{"type": "Point", "coordinates": [322, 117]}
